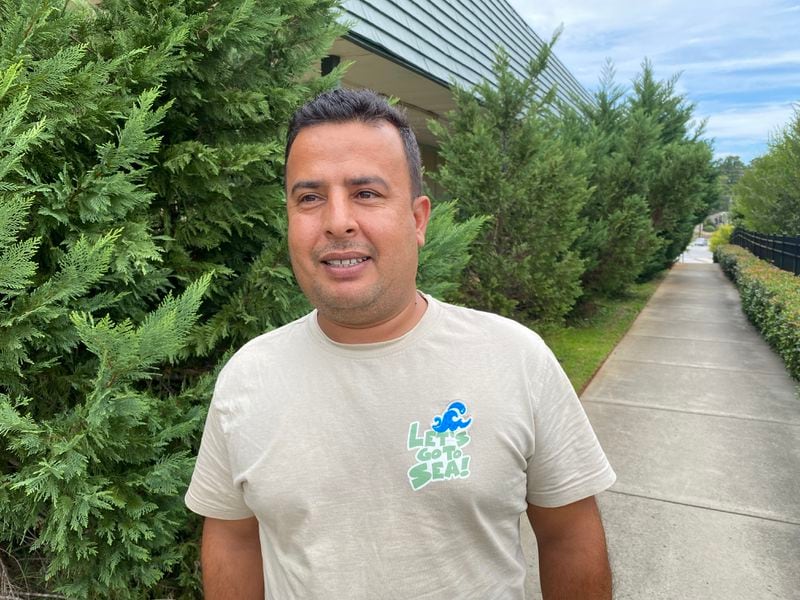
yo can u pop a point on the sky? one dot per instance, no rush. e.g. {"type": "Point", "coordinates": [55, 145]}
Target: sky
{"type": "Point", "coordinates": [738, 60]}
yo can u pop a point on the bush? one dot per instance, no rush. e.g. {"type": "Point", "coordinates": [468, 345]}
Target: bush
{"type": "Point", "coordinates": [683, 181]}
{"type": "Point", "coordinates": [721, 237]}
{"type": "Point", "coordinates": [502, 156]}
{"type": "Point", "coordinates": [770, 299]}
{"type": "Point", "coordinates": [623, 148]}
{"type": "Point", "coordinates": [768, 195]}
{"type": "Point", "coordinates": [445, 253]}
{"type": "Point", "coordinates": [141, 151]}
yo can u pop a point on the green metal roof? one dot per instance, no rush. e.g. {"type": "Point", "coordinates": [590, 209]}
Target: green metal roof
{"type": "Point", "coordinates": [453, 39]}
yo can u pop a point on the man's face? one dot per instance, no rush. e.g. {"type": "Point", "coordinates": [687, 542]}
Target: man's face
{"type": "Point", "coordinates": [354, 229]}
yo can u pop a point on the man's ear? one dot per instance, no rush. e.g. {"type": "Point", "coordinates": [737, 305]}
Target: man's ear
{"type": "Point", "coordinates": [422, 213]}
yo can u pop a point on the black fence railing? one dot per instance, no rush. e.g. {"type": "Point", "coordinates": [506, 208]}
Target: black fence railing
{"type": "Point", "coordinates": [782, 251]}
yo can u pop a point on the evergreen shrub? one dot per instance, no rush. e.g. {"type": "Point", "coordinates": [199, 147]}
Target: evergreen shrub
{"type": "Point", "coordinates": [683, 183]}
{"type": "Point", "coordinates": [622, 147]}
{"type": "Point", "coordinates": [502, 156]}
{"type": "Point", "coordinates": [445, 254]}
{"type": "Point", "coordinates": [720, 237]}
{"type": "Point", "coordinates": [767, 197]}
{"type": "Point", "coordinates": [142, 229]}
{"type": "Point", "coordinates": [770, 299]}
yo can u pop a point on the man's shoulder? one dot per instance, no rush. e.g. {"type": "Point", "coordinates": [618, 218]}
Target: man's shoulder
{"type": "Point", "coordinates": [271, 345]}
{"type": "Point", "coordinates": [487, 326]}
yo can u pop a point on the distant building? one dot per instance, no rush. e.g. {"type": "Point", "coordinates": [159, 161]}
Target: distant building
{"type": "Point", "coordinates": [414, 49]}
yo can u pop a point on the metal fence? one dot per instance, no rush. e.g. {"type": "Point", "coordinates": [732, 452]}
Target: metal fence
{"type": "Point", "coordinates": [782, 251]}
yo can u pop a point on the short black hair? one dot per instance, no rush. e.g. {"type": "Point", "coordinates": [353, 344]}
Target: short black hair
{"type": "Point", "coordinates": [343, 105]}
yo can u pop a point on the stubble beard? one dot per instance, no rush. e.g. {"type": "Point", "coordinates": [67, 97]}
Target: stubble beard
{"type": "Point", "coordinates": [359, 311]}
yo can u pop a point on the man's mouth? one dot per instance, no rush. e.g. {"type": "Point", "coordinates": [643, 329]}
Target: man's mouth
{"type": "Point", "coordinates": [345, 262]}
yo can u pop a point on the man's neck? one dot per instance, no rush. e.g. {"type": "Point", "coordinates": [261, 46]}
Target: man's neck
{"type": "Point", "coordinates": [389, 329]}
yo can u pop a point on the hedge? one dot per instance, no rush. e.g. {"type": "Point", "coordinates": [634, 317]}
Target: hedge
{"type": "Point", "coordinates": [770, 299]}
{"type": "Point", "coordinates": [720, 237]}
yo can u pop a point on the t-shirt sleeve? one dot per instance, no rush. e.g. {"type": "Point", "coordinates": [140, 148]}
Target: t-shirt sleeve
{"type": "Point", "coordinates": [568, 463]}
{"type": "Point", "coordinates": [212, 491]}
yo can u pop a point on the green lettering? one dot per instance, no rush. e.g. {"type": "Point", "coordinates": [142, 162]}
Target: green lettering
{"type": "Point", "coordinates": [414, 439]}
{"type": "Point", "coordinates": [430, 437]}
{"type": "Point", "coordinates": [452, 470]}
{"type": "Point", "coordinates": [436, 470]}
{"type": "Point", "coordinates": [419, 476]}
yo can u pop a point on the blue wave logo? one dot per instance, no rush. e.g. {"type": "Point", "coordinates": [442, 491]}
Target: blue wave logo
{"type": "Point", "coordinates": [452, 418]}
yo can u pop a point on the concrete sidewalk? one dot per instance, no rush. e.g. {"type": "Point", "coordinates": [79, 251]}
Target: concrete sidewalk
{"type": "Point", "coordinates": [701, 422]}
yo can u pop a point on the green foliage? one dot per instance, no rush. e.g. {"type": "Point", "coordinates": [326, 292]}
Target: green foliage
{"type": "Point", "coordinates": [729, 170]}
{"type": "Point", "coordinates": [142, 226]}
{"type": "Point", "coordinates": [767, 197]}
{"type": "Point", "coordinates": [721, 237]}
{"type": "Point", "coordinates": [90, 479]}
{"type": "Point", "coordinates": [140, 151]}
{"type": "Point", "coordinates": [446, 251]}
{"type": "Point", "coordinates": [651, 180]}
{"type": "Point", "coordinates": [770, 299]}
{"type": "Point", "coordinates": [623, 147]}
{"type": "Point", "coordinates": [683, 185]}
{"type": "Point", "coordinates": [502, 156]}
{"type": "Point", "coordinates": [100, 482]}
{"type": "Point", "coordinates": [92, 457]}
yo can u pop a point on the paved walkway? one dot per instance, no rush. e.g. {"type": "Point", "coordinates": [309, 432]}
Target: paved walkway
{"type": "Point", "coordinates": [702, 424]}
{"type": "Point", "coordinates": [697, 252]}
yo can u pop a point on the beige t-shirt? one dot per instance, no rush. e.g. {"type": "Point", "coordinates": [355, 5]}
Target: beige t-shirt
{"type": "Point", "coordinates": [398, 469]}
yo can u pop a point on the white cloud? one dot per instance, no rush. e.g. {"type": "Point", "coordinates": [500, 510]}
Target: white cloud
{"type": "Point", "coordinates": [750, 122]}
{"type": "Point", "coordinates": [738, 59]}
{"type": "Point", "coordinates": [760, 83]}
{"type": "Point", "coordinates": [676, 34]}
{"type": "Point", "coordinates": [764, 61]}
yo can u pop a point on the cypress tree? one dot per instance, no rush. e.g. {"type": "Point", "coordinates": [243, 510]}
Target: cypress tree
{"type": "Point", "coordinates": [623, 147]}
{"type": "Point", "coordinates": [92, 456]}
{"type": "Point", "coordinates": [683, 185]}
{"type": "Point", "coordinates": [502, 156]}
{"type": "Point", "coordinates": [767, 197]}
{"type": "Point", "coordinates": [141, 240]}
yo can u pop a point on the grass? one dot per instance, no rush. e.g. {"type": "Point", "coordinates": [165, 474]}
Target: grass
{"type": "Point", "coordinates": [584, 343]}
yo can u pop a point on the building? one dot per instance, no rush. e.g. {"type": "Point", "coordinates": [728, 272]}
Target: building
{"type": "Point", "coordinates": [414, 50]}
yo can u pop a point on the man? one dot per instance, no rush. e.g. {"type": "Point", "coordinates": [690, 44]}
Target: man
{"type": "Point", "coordinates": [385, 445]}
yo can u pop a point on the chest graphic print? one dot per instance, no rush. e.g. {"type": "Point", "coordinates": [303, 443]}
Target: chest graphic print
{"type": "Point", "coordinates": [439, 450]}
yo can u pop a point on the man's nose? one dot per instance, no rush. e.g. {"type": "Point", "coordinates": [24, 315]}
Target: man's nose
{"type": "Point", "coordinates": [340, 219]}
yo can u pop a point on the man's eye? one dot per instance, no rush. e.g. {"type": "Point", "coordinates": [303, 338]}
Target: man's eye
{"type": "Point", "coordinates": [366, 195]}
{"type": "Point", "coordinates": [308, 198]}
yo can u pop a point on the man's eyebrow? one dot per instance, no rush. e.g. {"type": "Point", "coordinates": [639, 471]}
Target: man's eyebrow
{"type": "Point", "coordinates": [367, 180]}
{"type": "Point", "coordinates": [313, 184]}
{"type": "Point", "coordinates": [308, 184]}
